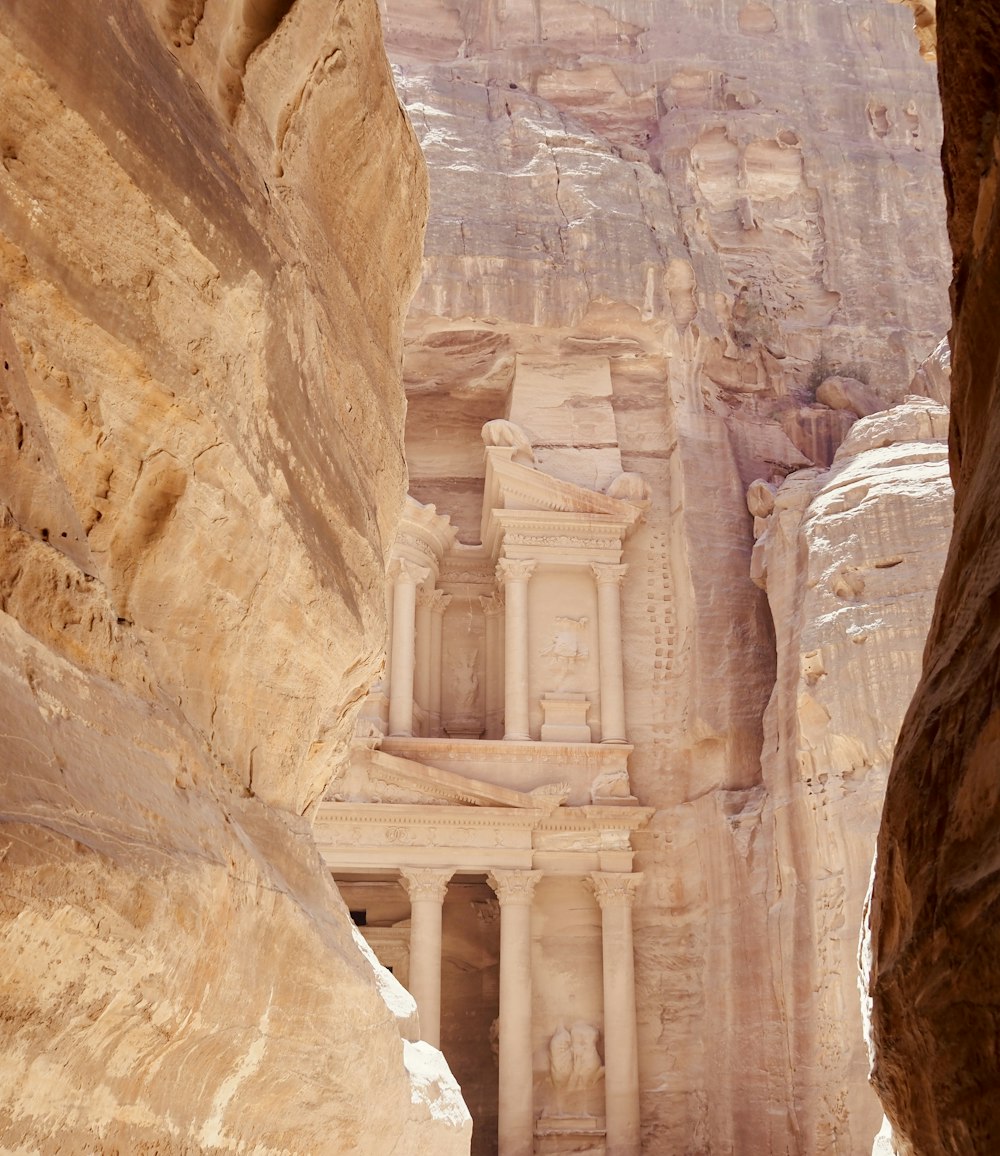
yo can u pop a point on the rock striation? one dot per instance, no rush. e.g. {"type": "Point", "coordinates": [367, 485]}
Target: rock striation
{"type": "Point", "coordinates": [934, 909]}
{"type": "Point", "coordinates": [201, 473]}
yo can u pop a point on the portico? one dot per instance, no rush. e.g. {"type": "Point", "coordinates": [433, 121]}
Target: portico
{"type": "Point", "coordinates": [427, 826]}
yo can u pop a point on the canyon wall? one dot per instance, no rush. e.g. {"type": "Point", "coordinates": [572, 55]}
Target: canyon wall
{"type": "Point", "coordinates": [211, 224]}
{"type": "Point", "coordinates": [934, 911]}
{"type": "Point", "coordinates": [703, 214]}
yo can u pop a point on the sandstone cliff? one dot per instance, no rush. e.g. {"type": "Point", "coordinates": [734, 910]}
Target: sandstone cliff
{"type": "Point", "coordinates": [934, 911]}
{"type": "Point", "coordinates": [211, 221]}
{"type": "Point", "coordinates": [711, 208]}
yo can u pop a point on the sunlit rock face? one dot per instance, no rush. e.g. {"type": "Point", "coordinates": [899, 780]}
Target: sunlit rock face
{"type": "Point", "coordinates": [934, 914]}
{"type": "Point", "coordinates": [201, 470]}
{"type": "Point", "coordinates": [690, 219]}
{"type": "Point", "coordinates": [850, 558]}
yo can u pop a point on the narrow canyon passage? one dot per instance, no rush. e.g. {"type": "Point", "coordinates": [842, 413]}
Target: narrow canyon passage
{"type": "Point", "coordinates": [486, 463]}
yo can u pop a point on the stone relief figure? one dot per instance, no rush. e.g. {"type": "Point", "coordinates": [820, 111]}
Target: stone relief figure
{"type": "Point", "coordinates": [574, 1061]}
{"type": "Point", "coordinates": [561, 1058]}
{"type": "Point", "coordinates": [587, 1066]}
{"type": "Point", "coordinates": [500, 432]}
{"type": "Point", "coordinates": [567, 647]}
{"type": "Point", "coordinates": [467, 682]}
{"type": "Point", "coordinates": [611, 785]}
{"type": "Point", "coordinates": [630, 487]}
{"type": "Point", "coordinates": [466, 719]}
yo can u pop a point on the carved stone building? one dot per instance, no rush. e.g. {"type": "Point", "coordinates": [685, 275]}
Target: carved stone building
{"type": "Point", "coordinates": [481, 832]}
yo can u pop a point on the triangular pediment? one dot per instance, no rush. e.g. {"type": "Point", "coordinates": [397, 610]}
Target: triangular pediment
{"type": "Point", "coordinates": [513, 485]}
{"type": "Point", "coordinates": [515, 490]}
{"type": "Point", "coordinates": [372, 776]}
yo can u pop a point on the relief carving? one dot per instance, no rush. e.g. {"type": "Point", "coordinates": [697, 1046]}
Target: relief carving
{"type": "Point", "coordinates": [500, 432]}
{"type": "Point", "coordinates": [567, 647]}
{"type": "Point", "coordinates": [574, 1060]}
{"type": "Point", "coordinates": [611, 785]}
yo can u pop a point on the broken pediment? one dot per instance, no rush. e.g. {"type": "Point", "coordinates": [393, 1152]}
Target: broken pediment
{"type": "Point", "coordinates": [373, 776]}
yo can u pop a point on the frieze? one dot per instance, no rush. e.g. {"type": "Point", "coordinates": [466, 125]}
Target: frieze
{"type": "Point", "coordinates": [415, 543]}
{"type": "Point", "coordinates": [564, 540]}
{"type": "Point", "coordinates": [466, 578]}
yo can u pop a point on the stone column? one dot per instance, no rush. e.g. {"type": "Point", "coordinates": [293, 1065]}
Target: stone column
{"type": "Point", "coordinates": [385, 681]}
{"type": "Point", "coordinates": [439, 605]}
{"type": "Point", "coordinates": [615, 892]}
{"type": "Point", "coordinates": [404, 602]}
{"type": "Point", "coordinates": [516, 1110]}
{"type": "Point", "coordinates": [426, 887]}
{"type": "Point", "coordinates": [422, 669]}
{"type": "Point", "coordinates": [514, 575]}
{"type": "Point", "coordinates": [609, 626]}
{"type": "Point", "coordinates": [494, 668]}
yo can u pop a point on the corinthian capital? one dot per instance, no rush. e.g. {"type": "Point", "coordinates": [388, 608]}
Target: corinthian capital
{"type": "Point", "coordinates": [608, 574]}
{"type": "Point", "coordinates": [426, 882]}
{"type": "Point", "coordinates": [513, 886]}
{"type": "Point", "coordinates": [514, 570]}
{"type": "Point", "coordinates": [439, 601]}
{"type": "Point", "coordinates": [615, 888]}
{"type": "Point", "coordinates": [410, 572]}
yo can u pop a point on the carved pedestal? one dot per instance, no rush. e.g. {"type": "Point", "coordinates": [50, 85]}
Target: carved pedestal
{"type": "Point", "coordinates": [565, 718]}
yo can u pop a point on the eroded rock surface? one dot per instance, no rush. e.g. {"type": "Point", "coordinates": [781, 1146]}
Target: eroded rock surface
{"type": "Point", "coordinates": [201, 470]}
{"type": "Point", "coordinates": [936, 892]}
{"type": "Point", "coordinates": [683, 219]}
{"type": "Point", "coordinates": [850, 558]}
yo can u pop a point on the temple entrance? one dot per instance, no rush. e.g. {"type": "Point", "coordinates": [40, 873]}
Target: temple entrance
{"type": "Point", "coordinates": [470, 979]}
{"type": "Point", "coordinates": [470, 1001]}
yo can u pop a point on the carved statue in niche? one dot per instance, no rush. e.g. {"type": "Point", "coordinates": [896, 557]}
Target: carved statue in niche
{"type": "Point", "coordinates": [567, 647]}
{"type": "Point", "coordinates": [466, 720]}
{"type": "Point", "coordinates": [467, 682]}
{"type": "Point", "coordinates": [574, 1060]}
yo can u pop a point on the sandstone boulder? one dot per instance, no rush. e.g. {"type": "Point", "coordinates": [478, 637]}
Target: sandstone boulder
{"type": "Point", "coordinates": [848, 393]}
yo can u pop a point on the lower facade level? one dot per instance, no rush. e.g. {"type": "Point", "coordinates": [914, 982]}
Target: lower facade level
{"type": "Point", "coordinates": [509, 919]}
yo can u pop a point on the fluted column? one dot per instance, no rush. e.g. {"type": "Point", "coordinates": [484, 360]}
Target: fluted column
{"type": "Point", "coordinates": [404, 602]}
{"type": "Point", "coordinates": [514, 575]}
{"type": "Point", "coordinates": [609, 628]}
{"type": "Point", "coordinates": [426, 887]}
{"type": "Point", "coordinates": [422, 668]}
{"type": "Point", "coordinates": [492, 607]}
{"type": "Point", "coordinates": [515, 1106]}
{"type": "Point", "coordinates": [439, 605]}
{"type": "Point", "coordinates": [615, 892]}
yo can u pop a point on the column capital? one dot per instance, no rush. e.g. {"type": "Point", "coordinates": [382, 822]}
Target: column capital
{"type": "Point", "coordinates": [425, 597]}
{"type": "Point", "coordinates": [514, 887]}
{"type": "Point", "coordinates": [426, 882]}
{"type": "Point", "coordinates": [615, 888]}
{"type": "Point", "coordinates": [403, 570]}
{"type": "Point", "coordinates": [492, 604]}
{"type": "Point", "coordinates": [439, 601]}
{"type": "Point", "coordinates": [515, 570]}
{"type": "Point", "coordinates": [608, 574]}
